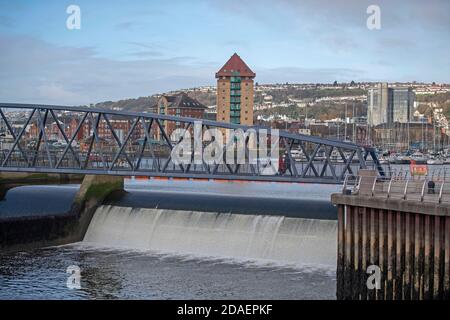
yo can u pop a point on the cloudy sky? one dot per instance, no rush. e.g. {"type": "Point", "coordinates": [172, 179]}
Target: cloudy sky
{"type": "Point", "coordinates": [127, 49]}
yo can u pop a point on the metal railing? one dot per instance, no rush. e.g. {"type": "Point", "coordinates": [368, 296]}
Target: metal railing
{"type": "Point", "coordinates": [111, 142]}
{"type": "Point", "coordinates": [432, 188]}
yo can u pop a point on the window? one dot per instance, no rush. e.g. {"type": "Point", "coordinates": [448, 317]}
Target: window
{"type": "Point", "coordinates": [235, 106]}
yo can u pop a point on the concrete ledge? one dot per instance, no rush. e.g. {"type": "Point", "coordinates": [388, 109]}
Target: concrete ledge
{"type": "Point", "coordinates": [32, 232]}
{"type": "Point", "coordinates": [410, 206]}
{"type": "Point", "coordinates": [9, 180]}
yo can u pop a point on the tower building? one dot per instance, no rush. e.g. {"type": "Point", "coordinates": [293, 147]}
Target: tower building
{"type": "Point", "coordinates": [235, 92]}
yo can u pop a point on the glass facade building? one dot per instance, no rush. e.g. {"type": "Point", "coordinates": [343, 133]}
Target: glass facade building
{"type": "Point", "coordinates": [378, 104]}
{"type": "Point", "coordinates": [402, 105]}
{"type": "Point", "coordinates": [389, 105]}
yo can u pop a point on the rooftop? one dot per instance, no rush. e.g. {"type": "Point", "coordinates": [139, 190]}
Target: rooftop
{"type": "Point", "coordinates": [182, 100]}
{"type": "Point", "coordinates": [235, 65]}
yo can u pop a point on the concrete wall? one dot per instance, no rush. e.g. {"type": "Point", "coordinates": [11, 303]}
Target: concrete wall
{"type": "Point", "coordinates": [9, 180]}
{"type": "Point", "coordinates": [410, 206]}
{"type": "Point", "coordinates": [31, 232]}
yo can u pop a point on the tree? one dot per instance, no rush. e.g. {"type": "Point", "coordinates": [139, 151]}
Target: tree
{"type": "Point", "coordinates": [335, 83]}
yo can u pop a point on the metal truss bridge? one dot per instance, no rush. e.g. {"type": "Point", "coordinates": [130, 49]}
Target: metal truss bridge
{"type": "Point", "coordinates": [56, 139]}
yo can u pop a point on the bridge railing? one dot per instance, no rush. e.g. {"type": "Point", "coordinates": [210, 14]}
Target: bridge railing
{"type": "Point", "coordinates": [40, 138]}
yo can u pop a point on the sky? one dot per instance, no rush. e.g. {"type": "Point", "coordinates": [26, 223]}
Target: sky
{"type": "Point", "coordinates": [129, 49]}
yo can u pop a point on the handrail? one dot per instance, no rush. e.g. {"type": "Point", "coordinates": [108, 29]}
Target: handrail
{"type": "Point", "coordinates": [413, 188]}
{"type": "Point", "coordinates": [373, 185]}
{"type": "Point", "coordinates": [423, 190]}
{"type": "Point", "coordinates": [440, 192]}
{"type": "Point", "coordinates": [358, 185]}
{"type": "Point", "coordinates": [389, 188]}
{"type": "Point", "coordinates": [406, 190]}
{"type": "Point", "coordinates": [344, 187]}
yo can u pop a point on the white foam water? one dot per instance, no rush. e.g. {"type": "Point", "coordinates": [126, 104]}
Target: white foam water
{"type": "Point", "coordinates": [292, 241]}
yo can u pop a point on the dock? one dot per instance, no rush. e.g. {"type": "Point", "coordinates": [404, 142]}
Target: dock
{"type": "Point", "coordinates": [393, 238]}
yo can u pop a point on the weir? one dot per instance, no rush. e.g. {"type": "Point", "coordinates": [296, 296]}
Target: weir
{"type": "Point", "coordinates": [292, 241]}
{"type": "Point", "coordinates": [10, 180]}
{"type": "Point", "coordinates": [28, 232]}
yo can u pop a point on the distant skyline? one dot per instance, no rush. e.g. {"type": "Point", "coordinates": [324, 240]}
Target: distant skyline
{"type": "Point", "coordinates": [127, 49]}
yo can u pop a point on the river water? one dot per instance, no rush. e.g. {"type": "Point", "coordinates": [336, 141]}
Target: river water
{"type": "Point", "coordinates": [183, 240]}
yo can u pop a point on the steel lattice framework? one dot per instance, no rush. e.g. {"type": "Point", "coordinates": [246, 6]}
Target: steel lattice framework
{"type": "Point", "coordinates": [59, 139]}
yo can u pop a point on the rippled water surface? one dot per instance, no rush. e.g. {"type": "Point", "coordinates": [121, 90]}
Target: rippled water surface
{"type": "Point", "coordinates": [111, 273]}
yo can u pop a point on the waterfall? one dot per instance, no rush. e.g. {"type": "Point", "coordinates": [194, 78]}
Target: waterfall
{"type": "Point", "coordinates": [238, 236]}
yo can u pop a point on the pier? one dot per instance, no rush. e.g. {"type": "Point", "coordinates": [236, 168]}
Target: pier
{"type": "Point", "coordinates": [398, 226]}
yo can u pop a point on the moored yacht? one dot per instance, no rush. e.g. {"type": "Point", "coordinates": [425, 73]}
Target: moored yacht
{"type": "Point", "coordinates": [419, 158]}
{"type": "Point", "coordinates": [434, 160]}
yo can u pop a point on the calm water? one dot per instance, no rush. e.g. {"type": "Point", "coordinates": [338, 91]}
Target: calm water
{"type": "Point", "coordinates": [109, 271]}
{"type": "Point", "coordinates": [37, 200]}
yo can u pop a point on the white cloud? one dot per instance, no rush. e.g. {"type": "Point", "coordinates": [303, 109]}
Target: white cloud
{"type": "Point", "coordinates": [39, 72]}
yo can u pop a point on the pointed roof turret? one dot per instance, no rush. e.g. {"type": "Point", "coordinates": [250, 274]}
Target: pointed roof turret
{"type": "Point", "coordinates": [235, 65]}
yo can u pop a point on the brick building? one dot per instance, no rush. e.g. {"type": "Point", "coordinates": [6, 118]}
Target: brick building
{"type": "Point", "coordinates": [235, 92]}
{"type": "Point", "coordinates": [180, 105]}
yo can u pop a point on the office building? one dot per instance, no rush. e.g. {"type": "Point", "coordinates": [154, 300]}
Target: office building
{"type": "Point", "coordinates": [402, 105]}
{"type": "Point", "coordinates": [389, 105]}
{"type": "Point", "coordinates": [378, 104]}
